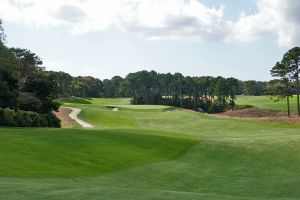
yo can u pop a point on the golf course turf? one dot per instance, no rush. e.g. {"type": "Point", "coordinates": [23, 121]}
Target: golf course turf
{"type": "Point", "coordinates": [151, 153]}
{"type": "Point", "coordinates": [267, 102]}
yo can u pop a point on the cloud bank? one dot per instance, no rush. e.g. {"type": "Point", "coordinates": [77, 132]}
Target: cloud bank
{"type": "Point", "coordinates": [278, 17]}
{"type": "Point", "coordinates": [161, 19]}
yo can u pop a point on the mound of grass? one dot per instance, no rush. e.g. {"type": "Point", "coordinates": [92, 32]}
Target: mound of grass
{"type": "Point", "coordinates": [233, 168]}
{"type": "Point", "coordinates": [73, 153]}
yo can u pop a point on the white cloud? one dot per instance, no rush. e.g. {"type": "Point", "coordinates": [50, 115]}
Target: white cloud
{"type": "Point", "coordinates": [160, 19]}
{"type": "Point", "coordinates": [279, 17]}
{"type": "Point", "coordinates": [153, 19]}
{"type": "Point", "coordinates": [169, 19]}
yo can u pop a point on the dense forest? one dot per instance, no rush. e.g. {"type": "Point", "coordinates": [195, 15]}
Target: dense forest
{"type": "Point", "coordinates": [122, 87]}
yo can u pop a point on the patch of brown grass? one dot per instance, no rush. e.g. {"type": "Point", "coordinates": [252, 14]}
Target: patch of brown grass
{"type": "Point", "coordinates": [63, 115]}
{"type": "Point", "coordinates": [262, 114]}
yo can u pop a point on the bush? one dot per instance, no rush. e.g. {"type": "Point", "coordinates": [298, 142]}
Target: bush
{"type": "Point", "coordinates": [21, 118]}
{"type": "Point", "coordinates": [216, 107]}
{"type": "Point", "coordinates": [36, 121]}
{"type": "Point", "coordinates": [29, 102]}
{"type": "Point", "coordinates": [7, 117]}
{"type": "Point", "coordinates": [54, 120]}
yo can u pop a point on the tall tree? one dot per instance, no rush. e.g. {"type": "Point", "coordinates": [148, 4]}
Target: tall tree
{"type": "Point", "coordinates": [9, 78]}
{"type": "Point", "coordinates": [108, 89]}
{"type": "Point", "coordinates": [178, 83]}
{"type": "Point", "coordinates": [44, 87]}
{"type": "Point", "coordinates": [221, 90]}
{"type": "Point", "coordinates": [291, 60]}
{"type": "Point", "coordinates": [63, 81]}
{"type": "Point", "coordinates": [249, 87]}
{"type": "Point", "coordinates": [31, 64]}
{"type": "Point", "coordinates": [117, 81]}
{"type": "Point", "coordinates": [232, 87]}
{"type": "Point", "coordinates": [284, 72]}
{"type": "Point", "coordinates": [9, 74]}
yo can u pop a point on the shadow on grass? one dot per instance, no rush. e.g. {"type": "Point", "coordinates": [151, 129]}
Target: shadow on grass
{"type": "Point", "coordinates": [76, 100]}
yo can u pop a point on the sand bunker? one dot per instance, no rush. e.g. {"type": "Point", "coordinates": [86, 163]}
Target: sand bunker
{"type": "Point", "coordinates": [115, 109]}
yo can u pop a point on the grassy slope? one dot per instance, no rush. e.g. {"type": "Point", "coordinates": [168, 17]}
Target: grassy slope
{"type": "Point", "coordinates": [266, 102]}
{"type": "Point", "coordinates": [232, 159]}
{"type": "Point", "coordinates": [74, 153]}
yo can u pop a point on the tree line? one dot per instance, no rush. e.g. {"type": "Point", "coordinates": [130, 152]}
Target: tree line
{"type": "Point", "coordinates": [117, 86]}
{"type": "Point", "coordinates": [150, 87]}
{"type": "Point", "coordinates": [206, 93]}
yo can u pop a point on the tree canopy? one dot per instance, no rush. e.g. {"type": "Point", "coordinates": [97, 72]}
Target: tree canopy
{"type": "Point", "coordinates": [288, 72]}
{"type": "Point", "coordinates": [10, 69]}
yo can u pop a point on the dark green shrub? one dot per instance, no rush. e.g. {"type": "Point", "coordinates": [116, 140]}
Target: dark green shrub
{"type": "Point", "coordinates": [43, 121]}
{"type": "Point", "coordinates": [53, 121]}
{"type": "Point", "coordinates": [36, 120]}
{"type": "Point", "coordinates": [8, 118]}
{"type": "Point", "coordinates": [216, 107]}
{"type": "Point", "coordinates": [28, 102]}
{"type": "Point", "coordinates": [241, 107]}
{"type": "Point", "coordinates": [21, 118]}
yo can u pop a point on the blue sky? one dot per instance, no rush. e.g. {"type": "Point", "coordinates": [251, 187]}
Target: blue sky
{"type": "Point", "coordinates": [235, 38]}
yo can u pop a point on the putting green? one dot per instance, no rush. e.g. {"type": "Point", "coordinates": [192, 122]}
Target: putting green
{"type": "Point", "coordinates": [140, 107]}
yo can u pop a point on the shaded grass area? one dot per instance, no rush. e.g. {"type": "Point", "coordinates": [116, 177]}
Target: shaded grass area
{"type": "Point", "coordinates": [154, 154]}
{"type": "Point", "coordinates": [76, 100]}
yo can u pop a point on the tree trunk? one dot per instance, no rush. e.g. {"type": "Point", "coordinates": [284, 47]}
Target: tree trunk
{"type": "Point", "coordinates": [181, 98]}
{"type": "Point", "coordinates": [297, 88]}
{"type": "Point", "coordinates": [288, 106]}
{"type": "Point", "coordinates": [194, 98]}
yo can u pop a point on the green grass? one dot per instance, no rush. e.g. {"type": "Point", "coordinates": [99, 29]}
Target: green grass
{"type": "Point", "coordinates": [74, 153]}
{"type": "Point", "coordinates": [140, 107]}
{"type": "Point", "coordinates": [151, 153]}
{"type": "Point", "coordinates": [267, 102]}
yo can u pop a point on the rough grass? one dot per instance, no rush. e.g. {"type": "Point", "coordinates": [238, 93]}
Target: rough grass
{"type": "Point", "coordinates": [154, 154]}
